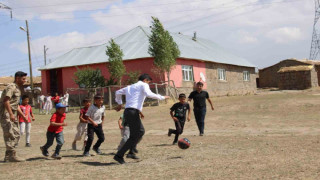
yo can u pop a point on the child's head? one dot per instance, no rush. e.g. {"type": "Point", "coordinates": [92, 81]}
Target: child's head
{"type": "Point", "coordinates": [98, 100]}
{"type": "Point", "coordinates": [57, 94]}
{"type": "Point", "coordinates": [25, 99]}
{"type": "Point", "coordinates": [86, 102]}
{"type": "Point", "coordinates": [182, 98]}
{"type": "Point", "coordinates": [199, 86]}
{"type": "Point", "coordinates": [61, 108]}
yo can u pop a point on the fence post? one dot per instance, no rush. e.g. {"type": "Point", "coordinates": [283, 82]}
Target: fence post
{"type": "Point", "coordinates": [156, 86]}
{"type": "Point", "coordinates": [110, 98]}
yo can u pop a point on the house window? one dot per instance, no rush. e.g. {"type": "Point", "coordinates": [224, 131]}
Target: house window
{"type": "Point", "coordinates": [246, 76]}
{"type": "Point", "coordinates": [187, 73]}
{"type": "Point", "coordinates": [222, 74]}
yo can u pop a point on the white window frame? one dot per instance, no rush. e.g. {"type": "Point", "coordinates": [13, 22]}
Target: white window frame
{"type": "Point", "coordinates": [246, 76]}
{"type": "Point", "coordinates": [187, 73]}
{"type": "Point", "coordinates": [222, 74]}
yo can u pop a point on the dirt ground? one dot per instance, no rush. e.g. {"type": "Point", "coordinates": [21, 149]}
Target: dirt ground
{"type": "Point", "coordinates": [271, 135]}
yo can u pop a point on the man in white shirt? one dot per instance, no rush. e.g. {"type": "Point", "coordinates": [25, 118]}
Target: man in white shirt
{"type": "Point", "coordinates": [135, 96]}
{"type": "Point", "coordinates": [65, 99]}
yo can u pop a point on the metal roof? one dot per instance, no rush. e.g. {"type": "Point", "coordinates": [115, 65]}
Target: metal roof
{"type": "Point", "coordinates": [134, 45]}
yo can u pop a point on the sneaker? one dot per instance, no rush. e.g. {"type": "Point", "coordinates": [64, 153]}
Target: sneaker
{"type": "Point", "coordinates": [135, 150]}
{"type": "Point", "coordinates": [119, 159]}
{"type": "Point", "coordinates": [97, 150]}
{"type": "Point", "coordinates": [174, 142]}
{"type": "Point", "coordinates": [28, 145]}
{"type": "Point", "coordinates": [56, 156]}
{"type": "Point", "coordinates": [86, 154]}
{"type": "Point", "coordinates": [169, 132]}
{"type": "Point", "coordinates": [44, 152]}
{"type": "Point", "coordinates": [201, 134]}
{"type": "Point", "coordinates": [132, 156]}
{"type": "Point", "coordinates": [14, 158]}
{"type": "Point", "coordinates": [74, 146]}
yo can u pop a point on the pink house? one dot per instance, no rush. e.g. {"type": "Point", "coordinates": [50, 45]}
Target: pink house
{"type": "Point", "coordinates": [224, 72]}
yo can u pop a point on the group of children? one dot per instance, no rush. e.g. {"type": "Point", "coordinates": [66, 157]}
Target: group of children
{"type": "Point", "coordinates": [91, 122]}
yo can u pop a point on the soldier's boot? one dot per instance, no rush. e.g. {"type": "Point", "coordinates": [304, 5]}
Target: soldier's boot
{"type": "Point", "coordinates": [6, 157]}
{"type": "Point", "coordinates": [14, 158]}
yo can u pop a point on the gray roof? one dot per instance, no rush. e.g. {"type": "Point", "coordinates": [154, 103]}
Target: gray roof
{"type": "Point", "coordinates": [135, 43]}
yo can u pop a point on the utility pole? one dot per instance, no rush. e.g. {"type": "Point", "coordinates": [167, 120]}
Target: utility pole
{"type": "Point", "coordinates": [3, 6]}
{"type": "Point", "coordinates": [45, 54]}
{"type": "Point", "coordinates": [30, 63]}
{"type": "Point", "coordinates": [315, 44]}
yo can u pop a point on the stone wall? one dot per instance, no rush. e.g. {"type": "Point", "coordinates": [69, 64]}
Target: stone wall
{"type": "Point", "coordinates": [234, 83]}
{"type": "Point", "coordinates": [268, 77]}
{"type": "Point", "coordinates": [298, 80]}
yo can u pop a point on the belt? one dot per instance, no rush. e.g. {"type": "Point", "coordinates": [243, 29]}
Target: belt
{"type": "Point", "coordinates": [133, 109]}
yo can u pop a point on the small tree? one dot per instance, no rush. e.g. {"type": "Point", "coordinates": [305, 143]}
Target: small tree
{"type": "Point", "coordinates": [163, 48]}
{"type": "Point", "coordinates": [133, 77]}
{"type": "Point", "coordinates": [116, 66]}
{"type": "Point", "coordinates": [89, 78]}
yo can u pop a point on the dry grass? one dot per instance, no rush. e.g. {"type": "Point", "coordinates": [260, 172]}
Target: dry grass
{"type": "Point", "coordinates": [272, 135]}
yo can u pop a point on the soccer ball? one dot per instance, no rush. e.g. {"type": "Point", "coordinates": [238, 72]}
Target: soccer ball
{"type": "Point", "coordinates": [184, 143]}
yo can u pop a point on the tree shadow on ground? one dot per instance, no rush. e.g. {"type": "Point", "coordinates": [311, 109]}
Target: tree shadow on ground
{"type": "Point", "coordinates": [98, 163]}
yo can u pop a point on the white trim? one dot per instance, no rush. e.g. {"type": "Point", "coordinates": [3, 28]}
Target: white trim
{"type": "Point", "coordinates": [222, 74]}
{"type": "Point", "coordinates": [246, 76]}
{"type": "Point", "coordinates": [187, 73]}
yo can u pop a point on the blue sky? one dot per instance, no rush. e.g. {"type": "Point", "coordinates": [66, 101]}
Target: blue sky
{"type": "Point", "coordinates": [262, 31]}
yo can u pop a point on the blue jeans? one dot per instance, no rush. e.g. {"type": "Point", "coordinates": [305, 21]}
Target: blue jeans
{"type": "Point", "coordinates": [50, 138]}
{"type": "Point", "coordinates": [200, 114]}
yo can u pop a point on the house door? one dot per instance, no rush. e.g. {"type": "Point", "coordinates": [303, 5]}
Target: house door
{"type": "Point", "coordinates": [53, 82]}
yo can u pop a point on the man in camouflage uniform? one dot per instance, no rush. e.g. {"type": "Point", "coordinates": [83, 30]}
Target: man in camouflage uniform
{"type": "Point", "coordinates": [9, 106]}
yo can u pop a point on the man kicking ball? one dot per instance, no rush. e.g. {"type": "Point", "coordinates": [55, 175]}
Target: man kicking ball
{"type": "Point", "coordinates": [135, 96]}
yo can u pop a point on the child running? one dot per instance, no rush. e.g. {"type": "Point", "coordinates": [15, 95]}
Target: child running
{"type": "Point", "coordinates": [96, 113]}
{"type": "Point", "coordinates": [178, 114]}
{"type": "Point", "coordinates": [125, 134]}
{"type": "Point", "coordinates": [55, 130]}
{"type": "Point", "coordinates": [82, 125]}
{"type": "Point", "coordinates": [25, 126]}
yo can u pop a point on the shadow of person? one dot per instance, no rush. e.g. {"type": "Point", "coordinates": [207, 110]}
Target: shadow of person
{"type": "Point", "coordinates": [37, 158]}
{"type": "Point", "coordinates": [73, 156]}
{"type": "Point", "coordinates": [98, 163]}
{"type": "Point", "coordinates": [160, 145]}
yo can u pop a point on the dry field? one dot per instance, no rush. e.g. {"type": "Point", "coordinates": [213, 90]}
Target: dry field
{"type": "Point", "coordinates": [271, 135]}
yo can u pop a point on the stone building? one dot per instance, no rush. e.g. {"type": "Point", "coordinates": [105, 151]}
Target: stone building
{"type": "Point", "coordinates": [268, 77]}
{"type": "Point", "coordinates": [297, 77]}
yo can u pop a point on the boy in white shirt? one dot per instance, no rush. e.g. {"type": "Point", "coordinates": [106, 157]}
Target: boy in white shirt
{"type": "Point", "coordinates": [95, 113]}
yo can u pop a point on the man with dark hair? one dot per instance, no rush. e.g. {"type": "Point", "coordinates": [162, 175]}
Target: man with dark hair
{"type": "Point", "coordinates": [9, 106]}
{"type": "Point", "coordinates": [135, 96]}
{"type": "Point", "coordinates": [199, 105]}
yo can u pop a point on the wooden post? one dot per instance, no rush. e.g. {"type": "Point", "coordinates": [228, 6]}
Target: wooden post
{"type": "Point", "coordinates": [156, 86]}
{"type": "Point", "coordinates": [110, 98]}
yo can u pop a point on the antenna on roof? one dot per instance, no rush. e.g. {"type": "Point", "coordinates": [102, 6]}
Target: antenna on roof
{"type": "Point", "coordinates": [194, 36]}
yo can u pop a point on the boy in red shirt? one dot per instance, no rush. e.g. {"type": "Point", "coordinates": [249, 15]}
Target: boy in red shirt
{"type": "Point", "coordinates": [25, 126]}
{"type": "Point", "coordinates": [82, 125]}
{"type": "Point", "coordinates": [55, 130]}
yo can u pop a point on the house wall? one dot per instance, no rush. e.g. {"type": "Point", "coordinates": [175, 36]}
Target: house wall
{"type": "Point", "coordinates": [144, 65]}
{"type": "Point", "coordinates": [298, 80]}
{"type": "Point", "coordinates": [268, 77]}
{"type": "Point", "coordinates": [176, 74]}
{"type": "Point", "coordinates": [234, 84]}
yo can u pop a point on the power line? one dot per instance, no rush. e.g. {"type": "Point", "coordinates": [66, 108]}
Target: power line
{"type": "Point", "coordinates": [240, 14]}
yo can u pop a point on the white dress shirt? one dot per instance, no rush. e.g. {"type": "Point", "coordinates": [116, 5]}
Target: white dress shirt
{"type": "Point", "coordinates": [136, 94]}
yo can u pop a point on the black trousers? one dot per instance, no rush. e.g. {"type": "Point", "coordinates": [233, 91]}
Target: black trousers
{"type": "Point", "coordinates": [200, 114]}
{"type": "Point", "coordinates": [179, 128]}
{"type": "Point", "coordinates": [99, 132]}
{"type": "Point", "coordinates": [132, 117]}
